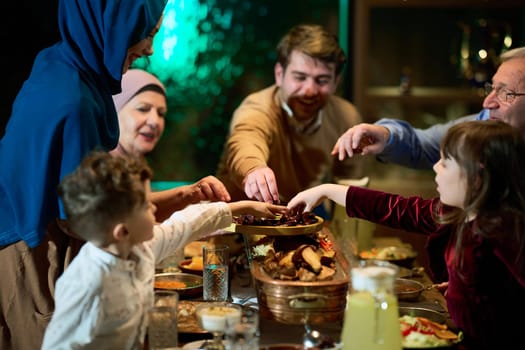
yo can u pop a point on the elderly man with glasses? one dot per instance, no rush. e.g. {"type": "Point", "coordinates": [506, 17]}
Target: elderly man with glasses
{"type": "Point", "coordinates": [396, 141]}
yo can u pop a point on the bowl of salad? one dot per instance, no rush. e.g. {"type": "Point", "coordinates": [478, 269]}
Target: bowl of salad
{"type": "Point", "coordinates": [426, 329]}
{"type": "Point", "coordinates": [400, 255]}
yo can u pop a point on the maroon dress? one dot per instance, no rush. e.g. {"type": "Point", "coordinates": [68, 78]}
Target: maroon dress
{"type": "Point", "coordinates": [486, 295]}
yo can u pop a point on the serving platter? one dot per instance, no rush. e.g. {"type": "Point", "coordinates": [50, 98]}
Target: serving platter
{"type": "Point", "coordinates": [188, 266]}
{"type": "Point", "coordinates": [187, 285]}
{"type": "Point", "coordinates": [187, 319]}
{"type": "Point", "coordinates": [282, 346]}
{"type": "Point", "coordinates": [407, 290]}
{"type": "Point", "coordinates": [422, 312]}
{"type": "Point", "coordinates": [286, 301]}
{"type": "Point", "coordinates": [279, 230]}
{"type": "Point", "coordinates": [433, 316]}
{"type": "Point", "coordinates": [400, 255]}
{"type": "Point", "coordinates": [198, 344]}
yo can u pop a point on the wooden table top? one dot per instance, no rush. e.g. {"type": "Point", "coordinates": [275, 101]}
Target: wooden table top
{"type": "Point", "coordinates": [273, 332]}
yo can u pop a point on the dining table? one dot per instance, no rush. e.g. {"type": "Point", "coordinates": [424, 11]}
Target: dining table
{"type": "Point", "coordinates": [271, 332]}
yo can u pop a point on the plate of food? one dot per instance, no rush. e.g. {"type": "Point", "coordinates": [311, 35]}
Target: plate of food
{"type": "Point", "coordinates": [400, 255]}
{"type": "Point", "coordinates": [194, 265]}
{"type": "Point", "coordinates": [187, 319]}
{"type": "Point", "coordinates": [300, 224]}
{"type": "Point", "coordinates": [426, 329]}
{"type": "Point", "coordinates": [186, 284]}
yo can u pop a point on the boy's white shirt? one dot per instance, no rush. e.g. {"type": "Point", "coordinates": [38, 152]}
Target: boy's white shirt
{"type": "Point", "coordinates": [101, 300]}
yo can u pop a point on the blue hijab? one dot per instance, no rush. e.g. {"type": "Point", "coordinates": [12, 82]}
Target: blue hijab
{"type": "Point", "coordinates": [65, 109]}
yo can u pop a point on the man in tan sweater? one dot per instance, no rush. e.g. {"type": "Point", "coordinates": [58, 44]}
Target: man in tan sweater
{"type": "Point", "coordinates": [281, 137]}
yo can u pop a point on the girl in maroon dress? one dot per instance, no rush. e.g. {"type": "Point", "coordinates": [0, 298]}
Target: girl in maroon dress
{"type": "Point", "coordinates": [475, 228]}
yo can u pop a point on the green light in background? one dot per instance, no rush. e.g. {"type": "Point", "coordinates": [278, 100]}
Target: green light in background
{"type": "Point", "coordinates": [178, 43]}
{"type": "Point", "coordinates": [191, 54]}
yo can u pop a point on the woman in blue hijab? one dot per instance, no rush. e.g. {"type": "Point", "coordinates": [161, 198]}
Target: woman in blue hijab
{"type": "Point", "coordinates": [62, 112]}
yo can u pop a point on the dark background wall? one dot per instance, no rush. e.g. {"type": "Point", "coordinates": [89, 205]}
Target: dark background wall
{"type": "Point", "coordinates": [26, 26]}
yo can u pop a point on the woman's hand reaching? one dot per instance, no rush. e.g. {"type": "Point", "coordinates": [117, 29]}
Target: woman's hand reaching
{"type": "Point", "coordinates": [210, 189]}
{"type": "Point", "coordinates": [168, 201]}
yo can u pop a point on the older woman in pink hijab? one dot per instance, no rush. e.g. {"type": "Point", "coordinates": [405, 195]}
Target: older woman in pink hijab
{"type": "Point", "coordinates": [141, 108]}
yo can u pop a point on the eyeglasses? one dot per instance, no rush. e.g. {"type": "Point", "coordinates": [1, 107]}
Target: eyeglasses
{"type": "Point", "coordinates": [501, 93]}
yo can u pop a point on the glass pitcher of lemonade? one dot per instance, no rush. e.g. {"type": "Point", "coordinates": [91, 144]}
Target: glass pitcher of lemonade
{"type": "Point", "coordinates": [371, 317]}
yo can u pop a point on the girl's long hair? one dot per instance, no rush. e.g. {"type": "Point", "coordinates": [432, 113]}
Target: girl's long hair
{"type": "Point", "coordinates": [492, 157]}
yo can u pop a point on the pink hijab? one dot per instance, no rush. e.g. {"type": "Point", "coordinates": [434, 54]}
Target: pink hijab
{"type": "Point", "coordinates": [135, 81]}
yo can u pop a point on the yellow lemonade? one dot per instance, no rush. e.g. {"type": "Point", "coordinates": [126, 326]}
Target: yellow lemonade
{"type": "Point", "coordinates": [368, 326]}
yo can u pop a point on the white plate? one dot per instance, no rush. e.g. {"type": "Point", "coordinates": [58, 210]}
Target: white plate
{"type": "Point", "coordinates": [194, 345]}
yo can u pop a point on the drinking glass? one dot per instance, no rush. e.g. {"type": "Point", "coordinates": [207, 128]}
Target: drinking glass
{"type": "Point", "coordinates": [162, 321]}
{"type": "Point", "coordinates": [214, 317]}
{"type": "Point", "coordinates": [215, 272]}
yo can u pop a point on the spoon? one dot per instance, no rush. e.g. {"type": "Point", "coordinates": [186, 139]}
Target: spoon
{"type": "Point", "coordinates": [312, 338]}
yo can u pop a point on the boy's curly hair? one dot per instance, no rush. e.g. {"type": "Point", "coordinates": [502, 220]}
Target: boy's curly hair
{"type": "Point", "coordinates": [102, 191]}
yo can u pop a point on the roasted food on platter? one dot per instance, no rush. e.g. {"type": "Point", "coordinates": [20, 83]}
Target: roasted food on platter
{"type": "Point", "coordinates": [420, 332]}
{"type": "Point", "coordinates": [300, 223]}
{"type": "Point", "coordinates": [305, 258]}
{"type": "Point", "coordinates": [289, 300]}
{"type": "Point", "coordinates": [305, 218]}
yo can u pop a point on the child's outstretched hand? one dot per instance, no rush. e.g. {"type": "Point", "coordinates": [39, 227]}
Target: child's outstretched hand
{"type": "Point", "coordinates": [256, 208]}
{"type": "Point", "coordinates": [314, 196]}
{"type": "Point", "coordinates": [307, 200]}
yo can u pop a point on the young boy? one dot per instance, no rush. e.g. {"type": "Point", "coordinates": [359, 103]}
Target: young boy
{"type": "Point", "coordinates": [102, 297]}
